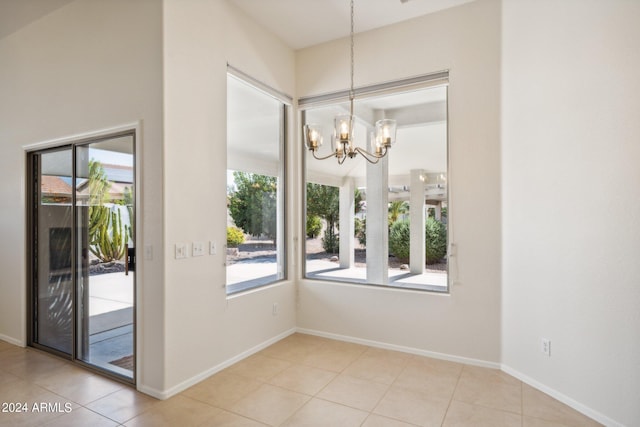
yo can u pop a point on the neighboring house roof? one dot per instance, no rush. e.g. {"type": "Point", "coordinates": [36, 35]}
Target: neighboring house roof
{"type": "Point", "coordinates": [121, 177]}
{"type": "Point", "coordinates": [54, 186]}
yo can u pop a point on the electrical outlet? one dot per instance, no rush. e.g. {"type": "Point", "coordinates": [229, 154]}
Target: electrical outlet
{"type": "Point", "coordinates": [198, 249]}
{"type": "Point", "coordinates": [546, 346]}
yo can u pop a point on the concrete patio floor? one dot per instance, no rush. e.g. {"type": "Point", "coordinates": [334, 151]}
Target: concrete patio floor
{"type": "Point", "coordinates": [246, 274]}
{"type": "Point", "coordinates": [111, 298]}
{"type": "Point", "coordinates": [110, 292]}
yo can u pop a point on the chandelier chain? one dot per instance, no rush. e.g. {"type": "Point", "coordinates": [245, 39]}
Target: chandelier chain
{"type": "Point", "coordinates": [351, 90]}
{"type": "Point", "coordinates": [343, 140]}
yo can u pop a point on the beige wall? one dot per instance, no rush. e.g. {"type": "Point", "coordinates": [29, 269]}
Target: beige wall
{"type": "Point", "coordinates": [571, 234]}
{"type": "Point", "coordinates": [93, 65]}
{"type": "Point", "coordinates": [205, 329]}
{"type": "Point", "coordinates": [87, 66]}
{"type": "Point", "coordinates": [564, 108]}
{"type": "Point", "coordinates": [465, 324]}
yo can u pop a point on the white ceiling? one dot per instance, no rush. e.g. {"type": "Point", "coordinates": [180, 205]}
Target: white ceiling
{"type": "Point", "coordinates": [303, 23]}
{"type": "Point", "coordinates": [298, 23]}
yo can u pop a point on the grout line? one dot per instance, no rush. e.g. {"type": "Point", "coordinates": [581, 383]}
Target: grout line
{"type": "Point", "coordinates": [446, 412]}
{"type": "Point", "coordinates": [103, 416]}
{"type": "Point", "coordinates": [521, 404]}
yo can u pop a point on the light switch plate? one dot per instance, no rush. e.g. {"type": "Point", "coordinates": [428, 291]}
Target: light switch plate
{"type": "Point", "coordinates": [181, 250]}
{"type": "Point", "coordinates": [213, 247]}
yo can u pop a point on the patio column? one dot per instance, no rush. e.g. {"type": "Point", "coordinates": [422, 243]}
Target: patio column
{"type": "Point", "coordinates": [377, 220]}
{"type": "Point", "coordinates": [438, 211]}
{"type": "Point", "coordinates": [417, 255]}
{"type": "Point", "coordinates": [347, 217]}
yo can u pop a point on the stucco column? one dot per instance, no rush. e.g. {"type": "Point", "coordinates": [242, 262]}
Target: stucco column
{"type": "Point", "coordinates": [377, 222]}
{"type": "Point", "coordinates": [347, 220]}
{"type": "Point", "coordinates": [417, 250]}
{"type": "Point", "coordinates": [438, 211]}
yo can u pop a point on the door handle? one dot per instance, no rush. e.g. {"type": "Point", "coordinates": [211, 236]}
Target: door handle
{"type": "Point", "coordinates": [131, 260]}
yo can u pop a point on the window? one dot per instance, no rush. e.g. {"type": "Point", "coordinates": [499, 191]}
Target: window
{"type": "Point", "coordinates": [255, 186]}
{"type": "Point", "coordinates": [381, 224]}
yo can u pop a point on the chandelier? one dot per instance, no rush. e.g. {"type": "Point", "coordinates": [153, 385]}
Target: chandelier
{"type": "Point", "coordinates": [342, 140]}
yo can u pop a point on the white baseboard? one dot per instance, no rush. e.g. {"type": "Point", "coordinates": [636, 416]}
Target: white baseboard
{"type": "Point", "coordinates": [404, 349]}
{"type": "Point", "coordinates": [12, 340]}
{"type": "Point", "coordinates": [601, 418]}
{"type": "Point", "coordinates": [162, 395]}
{"type": "Point", "coordinates": [153, 392]}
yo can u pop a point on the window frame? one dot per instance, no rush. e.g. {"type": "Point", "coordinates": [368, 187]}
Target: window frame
{"type": "Point", "coordinates": [282, 247]}
{"type": "Point", "coordinates": [431, 80]}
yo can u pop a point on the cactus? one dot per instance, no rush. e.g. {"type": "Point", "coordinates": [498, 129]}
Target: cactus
{"type": "Point", "coordinates": [98, 216]}
{"type": "Point", "coordinates": [111, 240]}
{"type": "Point", "coordinates": [128, 201]}
{"type": "Point", "coordinates": [99, 187]}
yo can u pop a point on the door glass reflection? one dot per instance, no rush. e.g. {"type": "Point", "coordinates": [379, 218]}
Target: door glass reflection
{"type": "Point", "coordinates": [53, 305]}
{"type": "Point", "coordinates": [105, 253]}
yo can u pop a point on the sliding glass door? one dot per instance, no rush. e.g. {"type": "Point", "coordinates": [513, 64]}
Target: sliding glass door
{"type": "Point", "coordinates": [53, 275]}
{"type": "Point", "coordinates": [83, 270]}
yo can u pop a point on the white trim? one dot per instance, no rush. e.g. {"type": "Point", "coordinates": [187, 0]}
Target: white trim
{"type": "Point", "coordinates": [401, 348]}
{"type": "Point", "coordinates": [133, 126]}
{"type": "Point", "coordinates": [138, 275]}
{"type": "Point", "coordinates": [163, 395]}
{"type": "Point", "coordinates": [12, 340]}
{"type": "Point", "coordinates": [259, 85]}
{"type": "Point", "coordinates": [260, 288]}
{"type": "Point", "coordinates": [438, 78]}
{"type": "Point", "coordinates": [591, 413]}
{"type": "Point", "coordinates": [310, 281]}
{"type": "Point", "coordinates": [153, 392]}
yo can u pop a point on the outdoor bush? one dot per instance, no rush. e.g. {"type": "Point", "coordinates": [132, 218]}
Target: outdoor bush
{"type": "Point", "coordinates": [314, 226]}
{"type": "Point", "coordinates": [253, 203]}
{"type": "Point", "coordinates": [360, 227]}
{"type": "Point", "coordinates": [399, 237]}
{"type": "Point", "coordinates": [235, 237]}
{"type": "Point", "coordinates": [331, 241]}
{"type": "Point", "coordinates": [436, 240]}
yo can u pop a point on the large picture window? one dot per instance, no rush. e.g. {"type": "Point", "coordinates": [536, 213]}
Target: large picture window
{"type": "Point", "coordinates": [255, 186]}
{"type": "Point", "coordinates": [382, 224]}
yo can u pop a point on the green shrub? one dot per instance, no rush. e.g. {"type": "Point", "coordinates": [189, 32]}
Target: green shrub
{"type": "Point", "coordinates": [360, 227]}
{"type": "Point", "coordinates": [436, 240]}
{"type": "Point", "coordinates": [314, 226]}
{"type": "Point", "coordinates": [331, 241]}
{"type": "Point", "coordinates": [399, 237]}
{"type": "Point", "coordinates": [235, 237]}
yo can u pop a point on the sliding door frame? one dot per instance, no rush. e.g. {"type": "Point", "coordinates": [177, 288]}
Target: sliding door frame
{"type": "Point", "coordinates": [31, 198]}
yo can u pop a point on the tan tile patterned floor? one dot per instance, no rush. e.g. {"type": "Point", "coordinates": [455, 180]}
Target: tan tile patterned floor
{"type": "Point", "coordinates": [300, 381]}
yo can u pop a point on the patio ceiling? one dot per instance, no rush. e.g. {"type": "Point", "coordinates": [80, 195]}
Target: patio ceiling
{"type": "Point", "coordinates": [253, 134]}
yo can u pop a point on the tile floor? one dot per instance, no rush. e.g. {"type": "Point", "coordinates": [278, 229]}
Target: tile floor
{"type": "Point", "coordinates": [299, 381]}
